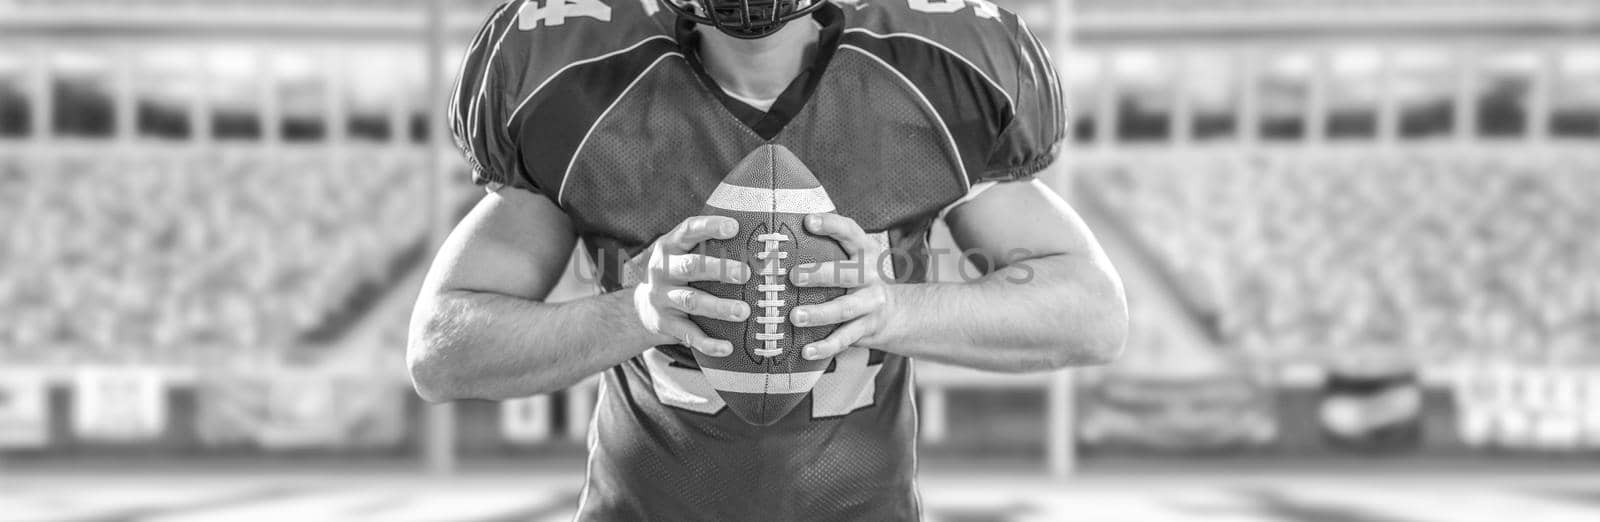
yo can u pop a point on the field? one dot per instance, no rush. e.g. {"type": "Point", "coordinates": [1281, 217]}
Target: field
{"type": "Point", "coordinates": [1131, 495]}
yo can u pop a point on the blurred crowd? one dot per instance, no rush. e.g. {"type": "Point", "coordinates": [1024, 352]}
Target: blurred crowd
{"type": "Point", "coordinates": [159, 256]}
{"type": "Point", "coordinates": [1445, 253]}
{"type": "Point", "coordinates": [223, 4]}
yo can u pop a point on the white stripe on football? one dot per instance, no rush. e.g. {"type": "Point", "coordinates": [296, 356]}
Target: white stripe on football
{"type": "Point", "coordinates": [785, 201]}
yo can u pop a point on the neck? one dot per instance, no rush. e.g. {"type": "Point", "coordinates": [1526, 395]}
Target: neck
{"type": "Point", "coordinates": [760, 68]}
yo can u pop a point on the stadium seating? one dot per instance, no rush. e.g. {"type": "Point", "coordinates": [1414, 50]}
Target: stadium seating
{"type": "Point", "coordinates": [169, 256]}
{"type": "Point", "coordinates": [1255, 6]}
{"type": "Point", "coordinates": [225, 4]}
{"type": "Point", "coordinates": [1455, 254]}
{"type": "Point", "coordinates": [156, 256]}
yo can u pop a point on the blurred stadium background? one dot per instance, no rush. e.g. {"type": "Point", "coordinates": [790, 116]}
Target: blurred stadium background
{"type": "Point", "coordinates": [1359, 239]}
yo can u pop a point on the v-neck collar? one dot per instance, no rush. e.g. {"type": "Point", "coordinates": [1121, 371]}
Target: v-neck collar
{"type": "Point", "coordinates": [794, 98]}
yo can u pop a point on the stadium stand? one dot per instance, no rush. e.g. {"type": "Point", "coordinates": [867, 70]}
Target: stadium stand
{"type": "Point", "coordinates": [227, 4]}
{"type": "Point", "coordinates": [1452, 253]}
{"type": "Point", "coordinates": [164, 257]}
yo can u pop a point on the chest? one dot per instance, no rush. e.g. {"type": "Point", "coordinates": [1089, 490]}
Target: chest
{"type": "Point", "coordinates": [884, 155]}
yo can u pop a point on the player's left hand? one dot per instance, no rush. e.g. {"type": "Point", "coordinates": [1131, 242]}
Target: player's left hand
{"type": "Point", "coordinates": [864, 310]}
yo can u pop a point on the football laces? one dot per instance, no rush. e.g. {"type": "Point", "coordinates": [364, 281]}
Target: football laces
{"type": "Point", "coordinates": [772, 287]}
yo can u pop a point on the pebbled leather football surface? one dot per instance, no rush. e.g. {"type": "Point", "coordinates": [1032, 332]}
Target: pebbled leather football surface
{"type": "Point", "coordinates": [770, 192]}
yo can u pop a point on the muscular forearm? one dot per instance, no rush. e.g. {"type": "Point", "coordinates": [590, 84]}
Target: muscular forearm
{"type": "Point", "coordinates": [489, 346]}
{"type": "Point", "coordinates": [1039, 314]}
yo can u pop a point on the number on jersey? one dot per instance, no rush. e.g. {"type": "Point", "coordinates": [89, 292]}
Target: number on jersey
{"type": "Point", "coordinates": [849, 387]}
{"type": "Point", "coordinates": [556, 12]}
{"type": "Point", "coordinates": [982, 8]}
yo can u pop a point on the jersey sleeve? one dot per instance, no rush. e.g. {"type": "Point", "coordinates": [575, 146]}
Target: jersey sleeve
{"type": "Point", "coordinates": [1032, 139]}
{"type": "Point", "coordinates": [478, 110]}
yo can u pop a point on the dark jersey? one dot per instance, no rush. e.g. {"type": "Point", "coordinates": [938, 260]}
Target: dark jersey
{"type": "Point", "coordinates": [602, 107]}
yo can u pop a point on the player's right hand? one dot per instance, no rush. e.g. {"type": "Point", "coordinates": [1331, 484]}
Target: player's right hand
{"type": "Point", "coordinates": [665, 300]}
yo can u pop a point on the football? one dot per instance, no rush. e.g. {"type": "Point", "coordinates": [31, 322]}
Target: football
{"type": "Point", "coordinates": [770, 193]}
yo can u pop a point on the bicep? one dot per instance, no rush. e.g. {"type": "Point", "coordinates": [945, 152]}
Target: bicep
{"type": "Point", "coordinates": [1018, 220]}
{"type": "Point", "coordinates": [512, 243]}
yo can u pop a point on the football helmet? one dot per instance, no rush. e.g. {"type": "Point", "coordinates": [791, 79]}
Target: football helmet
{"type": "Point", "coordinates": [746, 19]}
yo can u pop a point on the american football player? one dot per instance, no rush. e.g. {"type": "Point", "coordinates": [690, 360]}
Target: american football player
{"type": "Point", "coordinates": [613, 121]}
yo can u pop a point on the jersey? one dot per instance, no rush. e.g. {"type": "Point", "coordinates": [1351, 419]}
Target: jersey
{"type": "Point", "coordinates": [604, 108]}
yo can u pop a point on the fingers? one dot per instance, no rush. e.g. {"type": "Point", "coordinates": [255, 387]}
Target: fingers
{"type": "Point", "coordinates": [691, 336]}
{"type": "Point", "coordinates": [845, 308]}
{"type": "Point", "coordinates": [860, 274]}
{"type": "Point", "coordinates": [695, 302]}
{"type": "Point", "coordinates": [659, 320]}
{"type": "Point", "coordinates": [846, 231]}
{"type": "Point", "coordinates": [841, 340]}
{"type": "Point", "coordinates": [684, 268]}
{"type": "Point", "coordinates": [833, 274]}
{"type": "Point", "coordinates": [696, 230]}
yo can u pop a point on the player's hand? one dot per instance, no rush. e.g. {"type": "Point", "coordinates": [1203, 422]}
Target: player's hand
{"type": "Point", "coordinates": [664, 299]}
{"type": "Point", "coordinates": [864, 309]}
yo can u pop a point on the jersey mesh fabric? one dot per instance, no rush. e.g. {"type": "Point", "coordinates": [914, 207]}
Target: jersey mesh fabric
{"type": "Point", "coordinates": [677, 465]}
{"type": "Point", "coordinates": [632, 142]}
{"type": "Point", "coordinates": [855, 463]}
{"type": "Point", "coordinates": [658, 190]}
{"type": "Point", "coordinates": [891, 131]}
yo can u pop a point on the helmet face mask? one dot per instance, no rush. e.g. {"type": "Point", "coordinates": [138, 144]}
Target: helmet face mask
{"type": "Point", "coordinates": [744, 19]}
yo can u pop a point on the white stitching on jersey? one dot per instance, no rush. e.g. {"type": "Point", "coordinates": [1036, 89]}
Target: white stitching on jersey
{"type": "Point", "coordinates": [772, 285]}
{"type": "Point", "coordinates": [966, 181]}
{"type": "Point", "coordinates": [1011, 104]}
{"type": "Point", "coordinates": [513, 116]}
{"type": "Point", "coordinates": [593, 441]}
{"type": "Point", "coordinates": [561, 192]}
{"type": "Point", "coordinates": [488, 66]}
{"type": "Point", "coordinates": [972, 193]}
{"type": "Point", "coordinates": [454, 112]}
{"type": "Point", "coordinates": [1052, 81]}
